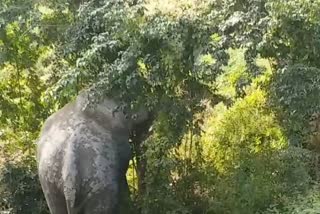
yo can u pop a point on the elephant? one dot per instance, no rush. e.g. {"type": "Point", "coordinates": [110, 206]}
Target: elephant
{"type": "Point", "coordinates": [83, 156]}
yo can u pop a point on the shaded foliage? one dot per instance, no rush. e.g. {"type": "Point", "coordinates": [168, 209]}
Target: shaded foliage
{"type": "Point", "coordinates": [175, 59]}
{"type": "Point", "coordinates": [20, 189]}
{"type": "Point", "coordinates": [294, 92]}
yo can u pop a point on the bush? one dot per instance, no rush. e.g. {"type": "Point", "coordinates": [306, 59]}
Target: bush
{"type": "Point", "coordinates": [20, 189]}
{"type": "Point", "coordinates": [242, 163]}
{"type": "Point", "coordinates": [308, 203]}
{"type": "Point", "coordinates": [255, 165]}
{"type": "Point", "coordinates": [294, 94]}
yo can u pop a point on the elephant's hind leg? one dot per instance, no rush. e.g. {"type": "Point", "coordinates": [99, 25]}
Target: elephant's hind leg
{"type": "Point", "coordinates": [55, 199]}
{"type": "Point", "coordinates": [101, 203]}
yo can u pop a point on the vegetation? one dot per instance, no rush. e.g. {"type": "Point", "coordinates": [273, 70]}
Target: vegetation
{"type": "Point", "coordinates": [233, 85]}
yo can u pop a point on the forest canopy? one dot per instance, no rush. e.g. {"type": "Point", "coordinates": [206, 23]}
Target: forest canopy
{"type": "Point", "coordinates": [233, 85]}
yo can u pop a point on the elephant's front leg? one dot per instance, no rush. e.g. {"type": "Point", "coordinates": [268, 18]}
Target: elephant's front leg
{"type": "Point", "coordinates": [125, 203]}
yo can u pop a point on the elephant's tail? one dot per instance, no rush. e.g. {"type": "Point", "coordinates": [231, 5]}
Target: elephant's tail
{"type": "Point", "coordinates": [71, 176]}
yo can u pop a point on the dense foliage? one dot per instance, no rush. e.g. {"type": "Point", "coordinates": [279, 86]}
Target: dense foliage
{"type": "Point", "coordinates": [232, 84]}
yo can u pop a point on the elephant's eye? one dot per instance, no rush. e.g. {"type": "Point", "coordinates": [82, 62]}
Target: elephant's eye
{"type": "Point", "coordinates": [134, 117]}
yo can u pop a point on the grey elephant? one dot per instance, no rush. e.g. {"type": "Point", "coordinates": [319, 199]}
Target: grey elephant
{"type": "Point", "coordinates": [83, 157]}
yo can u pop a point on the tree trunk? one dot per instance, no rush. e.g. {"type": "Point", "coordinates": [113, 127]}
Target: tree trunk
{"type": "Point", "coordinates": [138, 136]}
{"type": "Point", "coordinates": [141, 167]}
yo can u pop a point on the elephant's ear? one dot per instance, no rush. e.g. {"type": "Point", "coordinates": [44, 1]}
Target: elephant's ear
{"type": "Point", "coordinates": [122, 109]}
{"type": "Point", "coordinates": [142, 127]}
{"type": "Point", "coordinates": [141, 116]}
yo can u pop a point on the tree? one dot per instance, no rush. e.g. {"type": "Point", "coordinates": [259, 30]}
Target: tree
{"type": "Point", "coordinates": [285, 33]}
{"type": "Point", "coordinates": [25, 45]}
{"type": "Point", "coordinates": [166, 62]}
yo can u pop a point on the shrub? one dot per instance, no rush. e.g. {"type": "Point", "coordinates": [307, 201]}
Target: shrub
{"type": "Point", "coordinates": [299, 204]}
{"type": "Point", "coordinates": [20, 189]}
{"type": "Point", "coordinates": [255, 165]}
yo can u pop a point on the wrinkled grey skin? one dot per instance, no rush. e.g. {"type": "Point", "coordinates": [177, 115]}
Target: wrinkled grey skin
{"type": "Point", "coordinates": [83, 157]}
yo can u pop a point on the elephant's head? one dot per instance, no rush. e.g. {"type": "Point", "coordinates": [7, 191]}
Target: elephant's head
{"type": "Point", "coordinates": [141, 125]}
{"type": "Point", "coordinates": [112, 115]}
